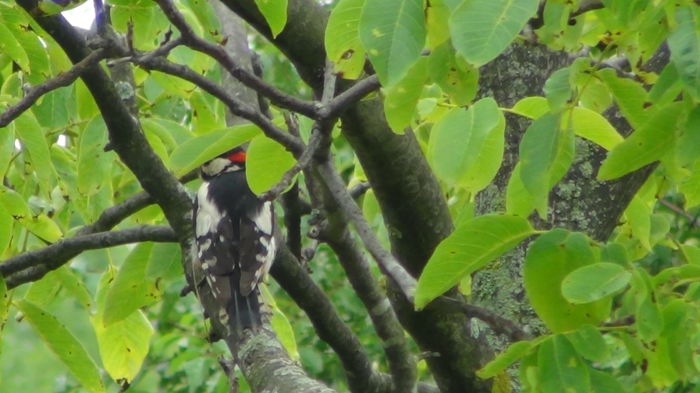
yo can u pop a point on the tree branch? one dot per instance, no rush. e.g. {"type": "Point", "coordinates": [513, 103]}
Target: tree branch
{"type": "Point", "coordinates": [236, 107]}
{"type": "Point", "coordinates": [401, 362]}
{"type": "Point", "coordinates": [32, 265]}
{"type": "Point", "coordinates": [350, 96]}
{"type": "Point", "coordinates": [292, 277]}
{"type": "Point", "coordinates": [389, 265]}
{"type": "Point", "coordinates": [219, 53]}
{"type": "Point", "coordinates": [61, 80]}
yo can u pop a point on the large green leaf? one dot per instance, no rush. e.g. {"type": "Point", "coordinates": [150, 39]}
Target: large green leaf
{"type": "Point", "coordinates": [560, 368]}
{"type": "Point", "coordinates": [466, 146]}
{"type": "Point", "coordinates": [64, 344]}
{"type": "Point", "coordinates": [644, 146]}
{"type": "Point", "coordinates": [457, 78]}
{"type": "Point", "coordinates": [503, 360]}
{"type": "Point", "coordinates": [31, 135]}
{"type": "Point", "coordinates": [589, 343]}
{"type": "Point", "coordinates": [519, 201]}
{"type": "Point", "coordinates": [592, 126]}
{"type": "Point", "coordinates": [532, 107]}
{"type": "Point", "coordinates": [12, 48]}
{"type": "Point", "coordinates": [5, 229]}
{"type": "Point", "coordinates": [342, 40]}
{"type": "Point", "coordinates": [401, 99]}
{"type": "Point", "coordinates": [593, 282]}
{"type": "Point", "coordinates": [684, 43]}
{"type": "Point", "coordinates": [275, 13]}
{"type": "Point", "coordinates": [266, 163]}
{"type": "Point", "coordinates": [16, 20]}
{"type": "Point", "coordinates": [93, 161]}
{"type": "Point", "coordinates": [393, 33]}
{"type": "Point", "coordinates": [680, 323]}
{"type": "Point", "coordinates": [203, 148]}
{"type": "Point", "coordinates": [558, 89]}
{"type": "Point", "coordinates": [551, 258]}
{"type": "Point", "coordinates": [546, 153]}
{"type": "Point", "coordinates": [630, 96]}
{"type": "Point", "coordinates": [481, 30]}
{"type": "Point", "coordinates": [40, 225]}
{"type": "Point", "coordinates": [130, 290]}
{"type": "Point", "coordinates": [469, 248]}
{"type": "Point", "coordinates": [123, 344]}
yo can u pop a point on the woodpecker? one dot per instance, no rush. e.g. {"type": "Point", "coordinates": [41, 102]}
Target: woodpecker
{"type": "Point", "coordinates": [234, 238]}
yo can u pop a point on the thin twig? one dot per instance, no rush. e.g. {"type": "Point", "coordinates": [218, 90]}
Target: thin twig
{"type": "Point", "coordinates": [61, 80]}
{"type": "Point", "coordinates": [238, 108]}
{"type": "Point", "coordinates": [246, 77]}
{"type": "Point", "coordinates": [693, 220]}
{"type": "Point", "coordinates": [496, 322]}
{"type": "Point", "coordinates": [352, 213]}
{"type": "Point", "coordinates": [41, 261]}
{"type": "Point", "coordinates": [585, 7]}
{"type": "Point", "coordinates": [352, 95]}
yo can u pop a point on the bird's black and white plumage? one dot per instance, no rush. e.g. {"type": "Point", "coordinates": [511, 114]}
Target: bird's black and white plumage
{"type": "Point", "coordinates": [234, 237]}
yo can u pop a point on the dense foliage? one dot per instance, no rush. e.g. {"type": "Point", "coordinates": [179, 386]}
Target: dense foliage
{"type": "Point", "coordinates": [583, 190]}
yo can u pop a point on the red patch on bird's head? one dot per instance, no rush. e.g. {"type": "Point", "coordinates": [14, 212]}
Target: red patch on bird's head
{"type": "Point", "coordinates": [237, 157]}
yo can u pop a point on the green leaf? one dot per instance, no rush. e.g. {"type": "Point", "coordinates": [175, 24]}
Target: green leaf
{"type": "Point", "coordinates": [275, 13]}
{"type": "Point", "coordinates": [684, 43]}
{"type": "Point", "coordinates": [532, 107]}
{"type": "Point", "coordinates": [164, 262]}
{"type": "Point", "coordinates": [691, 186]}
{"type": "Point", "coordinates": [457, 78]}
{"type": "Point", "coordinates": [589, 343]}
{"type": "Point", "coordinates": [401, 99]}
{"type": "Point", "coordinates": [688, 146]}
{"type": "Point", "coordinates": [93, 161]}
{"type": "Point", "coordinates": [481, 30]}
{"type": "Point", "coordinates": [638, 215]}
{"type": "Point", "coordinates": [466, 146]}
{"type": "Point", "coordinates": [594, 282]}
{"type": "Point", "coordinates": [123, 345]}
{"type": "Point", "coordinates": [680, 323]}
{"type": "Point", "coordinates": [560, 368]}
{"type": "Point", "coordinates": [519, 202]}
{"type": "Point", "coordinates": [280, 324]}
{"type": "Point", "coordinates": [503, 360]}
{"type": "Point", "coordinates": [648, 319]}
{"type": "Point", "coordinates": [64, 345]}
{"type": "Point", "coordinates": [33, 140]}
{"type": "Point", "coordinates": [630, 96]}
{"type": "Point", "coordinates": [592, 126]}
{"type": "Point", "coordinates": [4, 303]}
{"type": "Point", "coordinates": [7, 147]}
{"type": "Point", "coordinates": [551, 258]}
{"type": "Point", "coordinates": [558, 89]}
{"type": "Point", "coordinates": [602, 382]}
{"type": "Point", "coordinates": [11, 47]}
{"type": "Point", "coordinates": [266, 163]}
{"type": "Point", "coordinates": [202, 148]}
{"type": "Point", "coordinates": [393, 34]}
{"type": "Point", "coordinates": [130, 289]}
{"type": "Point", "coordinates": [16, 20]}
{"type": "Point", "coordinates": [437, 14]}
{"type": "Point", "coordinates": [43, 291]}
{"type": "Point", "coordinates": [546, 152]}
{"type": "Point", "coordinates": [75, 285]}
{"type": "Point", "coordinates": [469, 248]}
{"type": "Point", "coordinates": [40, 225]}
{"type": "Point", "coordinates": [5, 229]}
{"type": "Point", "coordinates": [342, 40]}
{"type": "Point", "coordinates": [646, 145]}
